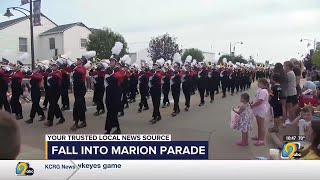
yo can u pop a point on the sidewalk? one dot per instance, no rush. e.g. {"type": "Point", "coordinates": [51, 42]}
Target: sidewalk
{"type": "Point", "coordinates": [28, 152]}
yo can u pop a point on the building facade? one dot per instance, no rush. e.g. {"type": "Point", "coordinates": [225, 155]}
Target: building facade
{"type": "Point", "coordinates": [50, 39]}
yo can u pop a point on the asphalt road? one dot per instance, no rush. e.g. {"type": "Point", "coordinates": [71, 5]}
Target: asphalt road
{"type": "Point", "coordinates": [207, 123]}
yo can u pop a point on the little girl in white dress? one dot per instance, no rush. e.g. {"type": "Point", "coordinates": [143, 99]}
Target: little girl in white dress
{"type": "Point", "coordinates": [245, 118]}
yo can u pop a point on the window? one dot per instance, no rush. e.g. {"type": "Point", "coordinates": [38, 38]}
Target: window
{"type": "Point", "coordinates": [52, 43]}
{"type": "Point", "coordinates": [83, 43]}
{"type": "Point", "coordinates": [23, 44]}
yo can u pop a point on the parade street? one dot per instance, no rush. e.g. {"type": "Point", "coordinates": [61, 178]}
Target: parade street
{"type": "Point", "coordinates": [210, 122]}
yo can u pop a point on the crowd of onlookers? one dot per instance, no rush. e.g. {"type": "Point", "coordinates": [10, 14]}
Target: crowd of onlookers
{"type": "Point", "coordinates": [277, 100]}
{"type": "Point", "coordinates": [285, 94]}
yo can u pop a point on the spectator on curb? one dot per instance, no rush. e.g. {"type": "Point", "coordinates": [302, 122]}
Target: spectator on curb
{"type": "Point", "coordinates": [297, 69]}
{"type": "Point", "coordinates": [292, 99]}
{"type": "Point", "coordinates": [278, 69]}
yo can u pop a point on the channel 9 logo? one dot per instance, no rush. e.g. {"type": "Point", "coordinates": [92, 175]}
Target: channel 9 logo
{"type": "Point", "coordinates": [24, 169]}
{"type": "Point", "coordinates": [291, 150]}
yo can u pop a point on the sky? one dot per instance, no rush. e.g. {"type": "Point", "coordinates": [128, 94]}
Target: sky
{"type": "Point", "coordinates": [269, 29]}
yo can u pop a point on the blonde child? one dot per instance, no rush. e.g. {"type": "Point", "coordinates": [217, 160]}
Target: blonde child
{"type": "Point", "coordinates": [303, 121]}
{"type": "Point", "coordinates": [261, 109]}
{"type": "Point", "coordinates": [246, 117]}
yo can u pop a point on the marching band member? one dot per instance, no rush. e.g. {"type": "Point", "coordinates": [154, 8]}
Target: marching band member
{"type": "Point", "coordinates": [114, 78]}
{"type": "Point", "coordinates": [166, 86]}
{"type": "Point", "coordinates": [4, 85]}
{"type": "Point", "coordinates": [46, 87]}
{"type": "Point", "coordinates": [202, 83]}
{"type": "Point", "coordinates": [99, 88]}
{"type": "Point", "coordinates": [113, 82]}
{"type": "Point", "coordinates": [16, 87]}
{"type": "Point", "coordinates": [144, 89]}
{"type": "Point", "coordinates": [176, 88]}
{"type": "Point", "coordinates": [207, 88]}
{"type": "Point", "coordinates": [125, 91]}
{"type": "Point", "coordinates": [187, 85]}
{"type": "Point", "coordinates": [224, 82]}
{"type": "Point", "coordinates": [213, 82]}
{"type": "Point", "coordinates": [79, 85]}
{"type": "Point", "coordinates": [65, 86]}
{"type": "Point", "coordinates": [36, 82]}
{"type": "Point", "coordinates": [194, 80]}
{"type": "Point", "coordinates": [133, 84]}
{"type": "Point", "coordinates": [237, 80]}
{"type": "Point", "coordinates": [54, 86]}
{"type": "Point", "coordinates": [232, 80]}
{"type": "Point", "coordinates": [155, 91]}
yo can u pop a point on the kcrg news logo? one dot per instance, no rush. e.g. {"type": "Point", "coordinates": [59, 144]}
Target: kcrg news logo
{"type": "Point", "coordinates": [24, 169]}
{"type": "Point", "coordinates": [291, 151]}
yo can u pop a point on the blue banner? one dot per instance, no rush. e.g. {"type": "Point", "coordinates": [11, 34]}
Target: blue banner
{"type": "Point", "coordinates": [191, 150]}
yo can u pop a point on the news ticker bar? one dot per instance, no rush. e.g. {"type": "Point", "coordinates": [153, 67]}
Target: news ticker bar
{"type": "Point", "coordinates": [138, 169]}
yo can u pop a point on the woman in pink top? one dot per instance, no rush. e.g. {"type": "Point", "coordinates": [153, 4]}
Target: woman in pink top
{"type": "Point", "coordinates": [261, 110]}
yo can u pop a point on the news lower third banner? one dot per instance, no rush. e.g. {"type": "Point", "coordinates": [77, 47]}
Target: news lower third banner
{"type": "Point", "coordinates": [123, 147]}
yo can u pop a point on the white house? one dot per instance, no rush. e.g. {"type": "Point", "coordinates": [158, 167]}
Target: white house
{"type": "Point", "coordinates": [50, 39]}
{"type": "Point", "coordinates": [210, 57]}
{"type": "Point", "coordinates": [139, 55]}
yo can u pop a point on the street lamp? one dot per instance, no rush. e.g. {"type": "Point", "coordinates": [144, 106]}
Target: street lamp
{"type": "Point", "coordinates": [233, 45]}
{"type": "Point", "coordinates": [314, 41]}
{"type": "Point", "coordinates": [23, 10]}
{"type": "Point", "coordinates": [8, 13]}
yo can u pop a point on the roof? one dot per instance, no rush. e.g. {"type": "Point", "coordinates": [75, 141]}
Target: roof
{"type": "Point", "coordinates": [9, 23]}
{"type": "Point", "coordinates": [62, 28]}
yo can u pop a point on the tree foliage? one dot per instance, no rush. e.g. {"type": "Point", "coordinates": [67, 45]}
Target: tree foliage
{"type": "Point", "coordinates": [239, 59]}
{"type": "Point", "coordinates": [316, 58]}
{"type": "Point", "coordinates": [196, 54]}
{"type": "Point", "coordinates": [103, 41]}
{"type": "Point", "coordinates": [233, 59]}
{"type": "Point", "coordinates": [163, 46]}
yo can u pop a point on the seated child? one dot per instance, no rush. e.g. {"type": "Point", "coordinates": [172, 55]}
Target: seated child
{"type": "Point", "coordinates": [312, 152]}
{"type": "Point", "coordinates": [303, 120]}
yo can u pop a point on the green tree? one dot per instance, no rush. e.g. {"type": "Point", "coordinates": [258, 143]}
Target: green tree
{"type": "Point", "coordinates": [195, 53]}
{"type": "Point", "coordinates": [163, 46]}
{"type": "Point", "coordinates": [233, 59]}
{"type": "Point", "coordinates": [316, 58]}
{"type": "Point", "coordinates": [239, 59]}
{"type": "Point", "coordinates": [103, 41]}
